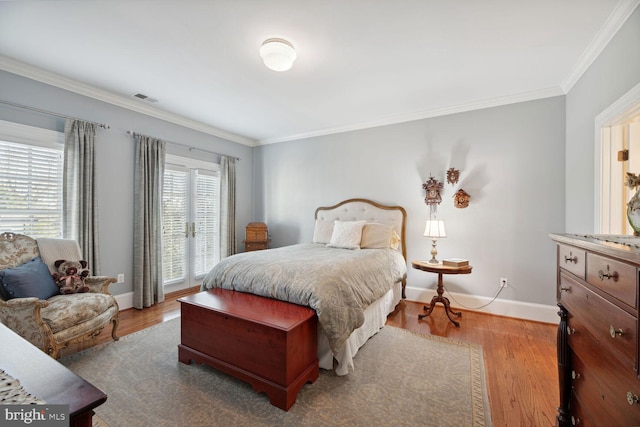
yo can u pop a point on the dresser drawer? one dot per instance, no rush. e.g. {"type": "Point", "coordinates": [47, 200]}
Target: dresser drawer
{"type": "Point", "coordinates": [256, 234]}
{"type": "Point", "coordinates": [256, 246]}
{"type": "Point", "coordinates": [614, 277]}
{"type": "Point", "coordinates": [602, 387]}
{"type": "Point", "coordinates": [590, 313]}
{"type": "Point", "coordinates": [579, 415]}
{"type": "Point", "coordinates": [572, 260]}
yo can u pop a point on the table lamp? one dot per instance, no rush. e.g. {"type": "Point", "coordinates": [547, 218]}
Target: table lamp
{"type": "Point", "coordinates": [435, 230]}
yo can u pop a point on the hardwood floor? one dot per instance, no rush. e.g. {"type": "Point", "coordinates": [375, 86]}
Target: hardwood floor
{"type": "Point", "coordinates": [519, 355]}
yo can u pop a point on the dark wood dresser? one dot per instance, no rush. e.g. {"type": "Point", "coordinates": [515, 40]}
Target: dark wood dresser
{"type": "Point", "coordinates": [47, 379]}
{"type": "Point", "coordinates": [597, 292]}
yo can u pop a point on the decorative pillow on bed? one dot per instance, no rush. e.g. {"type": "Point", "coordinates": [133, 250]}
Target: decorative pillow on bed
{"type": "Point", "coordinates": [322, 231]}
{"type": "Point", "coordinates": [31, 279]}
{"type": "Point", "coordinates": [376, 236]}
{"type": "Point", "coordinates": [395, 240]}
{"type": "Point", "coordinates": [346, 234]}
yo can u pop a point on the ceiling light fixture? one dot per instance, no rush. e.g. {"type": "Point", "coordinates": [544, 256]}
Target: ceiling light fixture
{"type": "Point", "coordinates": [277, 54]}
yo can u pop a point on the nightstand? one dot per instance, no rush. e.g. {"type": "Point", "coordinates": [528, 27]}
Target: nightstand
{"type": "Point", "coordinates": [256, 237]}
{"type": "Point", "coordinates": [440, 270]}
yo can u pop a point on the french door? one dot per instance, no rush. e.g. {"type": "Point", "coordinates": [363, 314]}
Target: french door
{"type": "Point", "coordinates": [190, 223]}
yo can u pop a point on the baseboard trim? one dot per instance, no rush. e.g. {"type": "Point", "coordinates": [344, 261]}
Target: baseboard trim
{"type": "Point", "coordinates": [500, 307]}
{"type": "Point", "coordinates": [125, 300]}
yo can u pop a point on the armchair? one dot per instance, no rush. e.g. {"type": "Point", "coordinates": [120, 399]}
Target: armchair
{"type": "Point", "coordinates": [53, 322]}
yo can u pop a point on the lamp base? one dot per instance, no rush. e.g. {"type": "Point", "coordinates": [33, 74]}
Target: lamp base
{"type": "Point", "coordinates": [434, 252]}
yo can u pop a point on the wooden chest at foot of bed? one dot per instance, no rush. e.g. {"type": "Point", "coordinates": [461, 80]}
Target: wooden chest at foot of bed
{"type": "Point", "coordinates": [271, 344]}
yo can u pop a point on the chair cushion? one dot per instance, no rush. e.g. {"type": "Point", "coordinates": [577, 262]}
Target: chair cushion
{"type": "Point", "coordinates": [31, 279]}
{"type": "Point", "coordinates": [65, 311]}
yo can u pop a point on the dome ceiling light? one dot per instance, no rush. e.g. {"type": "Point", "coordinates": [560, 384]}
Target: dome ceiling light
{"type": "Point", "coordinates": [277, 54]}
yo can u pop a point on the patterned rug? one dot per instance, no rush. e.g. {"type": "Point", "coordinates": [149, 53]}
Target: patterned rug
{"type": "Point", "coordinates": [400, 378]}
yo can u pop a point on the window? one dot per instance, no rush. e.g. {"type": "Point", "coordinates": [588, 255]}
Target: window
{"type": "Point", "coordinates": [190, 221]}
{"type": "Point", "coordinates": [31, 167]}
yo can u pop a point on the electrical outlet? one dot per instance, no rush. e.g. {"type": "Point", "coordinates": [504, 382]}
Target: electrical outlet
{"type": "Point", "coordinates": [121, 278]}
{"type": "Point", "coordinates": [503, 282]}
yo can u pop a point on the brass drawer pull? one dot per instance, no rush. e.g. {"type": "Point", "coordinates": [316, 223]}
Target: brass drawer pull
{"type": "Point", "coordinates": [632, 398]}
{"type": "Point", "coordinates": [575, 375]}
{"type": "Point", "coordinates": [571, 331]}
{"type": "Point", "coordinates": [565, 289]}
{"type": "Point", "coordinates": [602, 275]}
{"type": "Point", "coordinates": [571, 258]}
{"type": "Point", "coordinates": [613, 332]}
{"type": "Point", "coordinates": [575, 421]}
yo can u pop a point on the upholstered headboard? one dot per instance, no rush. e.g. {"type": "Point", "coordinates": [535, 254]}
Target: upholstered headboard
{"type": "Point", "coordinates": [368, 210]}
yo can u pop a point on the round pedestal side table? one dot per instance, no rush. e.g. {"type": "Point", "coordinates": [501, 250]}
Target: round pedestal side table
{"type": "Point", "coordinates": [440, 269]}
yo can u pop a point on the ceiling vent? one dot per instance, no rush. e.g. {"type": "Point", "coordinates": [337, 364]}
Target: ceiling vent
{"type": "Point", "coordinates": [145, 97]}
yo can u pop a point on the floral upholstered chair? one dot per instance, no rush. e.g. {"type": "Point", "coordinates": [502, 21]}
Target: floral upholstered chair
{"type": "Point", "coordinates": [30, 302]}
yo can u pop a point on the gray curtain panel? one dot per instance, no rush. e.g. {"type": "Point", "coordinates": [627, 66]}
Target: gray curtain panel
{"type": "Point", "coordinates": [147, 247]}
{"type": "Point", "coordinates": [79, 198]}
{"type": "Point", "coordinates": [228, 244]}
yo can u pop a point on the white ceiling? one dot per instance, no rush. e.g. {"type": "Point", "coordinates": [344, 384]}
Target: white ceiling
{"type": "Point", "coordinates": [361, 63]}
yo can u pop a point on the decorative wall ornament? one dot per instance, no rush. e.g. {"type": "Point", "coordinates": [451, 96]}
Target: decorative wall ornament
{"type": "Point", "coordinates": [461, 199]}
{"type": "Point", "coordinates": [433, 198]}
{"type": "Point", "coordinates": [453, 175]}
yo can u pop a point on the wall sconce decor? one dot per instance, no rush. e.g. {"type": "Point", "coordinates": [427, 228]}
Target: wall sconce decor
{"type": "Point", "coordinates": [461, 199]}
{"type": "Point", "coordinates": [453, 175]}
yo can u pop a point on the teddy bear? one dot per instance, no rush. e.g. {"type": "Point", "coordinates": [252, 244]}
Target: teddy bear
{"type": "Point", "coordinates": [70, 276]}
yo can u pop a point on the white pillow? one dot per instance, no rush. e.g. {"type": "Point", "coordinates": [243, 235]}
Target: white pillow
{"type": "Point", "coordinates": [346, 234]}
{"type": "Point", "coordinates": [376, 236]}
{"type": "Point", "coordinates": [322, 231]}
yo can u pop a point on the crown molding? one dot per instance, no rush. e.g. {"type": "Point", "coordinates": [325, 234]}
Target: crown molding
{"type": "Point", "coordinates": [38, 74]}
{"type": "Point", "coordinates": [437, 112]}
{"type": "Point", "coordinates": [611, 26]}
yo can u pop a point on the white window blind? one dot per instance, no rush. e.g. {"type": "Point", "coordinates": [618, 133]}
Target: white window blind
{"type": "Point", "coordinates": [30, 181]}
{"type": "Point", "coordinates": [174, 224]}
{"type": "Point", "coordinates": [207, 247]}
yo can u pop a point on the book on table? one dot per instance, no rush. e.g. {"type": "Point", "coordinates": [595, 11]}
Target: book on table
{"type": "Point", "coordinates": [455, 262]}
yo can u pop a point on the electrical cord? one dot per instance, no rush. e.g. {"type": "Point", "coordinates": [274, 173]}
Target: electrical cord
{"type": "Point", "coordinates": [473, 308]}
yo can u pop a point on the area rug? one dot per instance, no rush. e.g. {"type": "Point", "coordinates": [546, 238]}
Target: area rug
{"type": "Point", "coordinates": [400, 378]}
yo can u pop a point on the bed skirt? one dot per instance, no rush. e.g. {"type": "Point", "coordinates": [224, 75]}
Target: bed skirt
{"type": "Point", "coordinates": [375, 317]}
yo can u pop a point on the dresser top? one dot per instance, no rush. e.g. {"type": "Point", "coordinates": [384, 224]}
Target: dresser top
{"type": "Point", "coordinates": [624, 247]}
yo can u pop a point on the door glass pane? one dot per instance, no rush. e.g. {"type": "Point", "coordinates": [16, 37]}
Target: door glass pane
{"type": "Point", "coordinates": [174, 222]}
{"type": "Point", "coordinates": [207, 222]}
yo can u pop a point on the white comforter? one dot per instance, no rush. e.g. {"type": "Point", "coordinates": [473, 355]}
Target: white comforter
{"type": "Point", "coordinates": [337, 283]}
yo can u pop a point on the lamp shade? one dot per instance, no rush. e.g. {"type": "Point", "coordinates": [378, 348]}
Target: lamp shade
{"type": "Point", "coordinates": [435, 228]}
{"type": "Point", "coordinates": [277, 54]}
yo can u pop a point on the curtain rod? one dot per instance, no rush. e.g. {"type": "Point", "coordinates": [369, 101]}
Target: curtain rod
{"type": "Point", "coordinates": [132, 133]}
{"type": "Point", "coordinates": [51, 113]}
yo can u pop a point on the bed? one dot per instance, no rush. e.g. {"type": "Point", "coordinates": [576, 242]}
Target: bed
{"type": "Point", "coordinates": [353, 274]}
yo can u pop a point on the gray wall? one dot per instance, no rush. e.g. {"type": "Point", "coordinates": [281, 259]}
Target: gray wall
{"type": "Point", "coordinates": [529, 169]}
{"type": "Point", "coordinates": [614, 73]}
{"type": "Point", "coordinates": [115, 159]}
{"type": "Point", "coordinates": [511, 160]}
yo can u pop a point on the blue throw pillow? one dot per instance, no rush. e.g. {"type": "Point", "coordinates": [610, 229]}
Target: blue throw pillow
{"type": "Point", "coordinates": [31, 279]}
